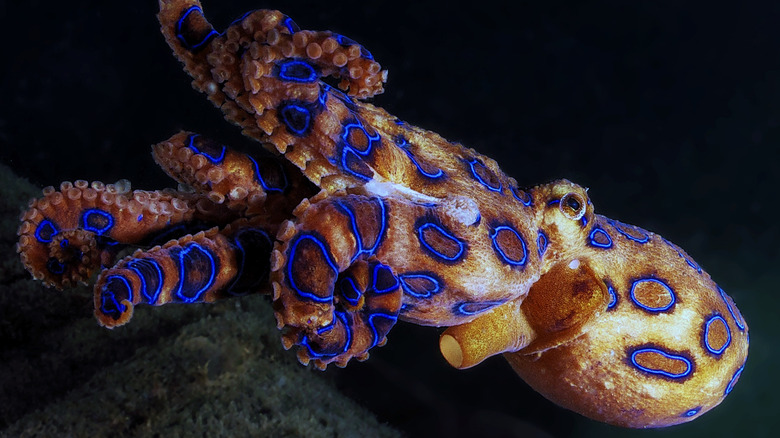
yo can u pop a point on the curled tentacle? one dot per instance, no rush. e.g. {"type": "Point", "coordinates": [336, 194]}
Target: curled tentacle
{"type": "Point", "coordinates": [366, 302]}
{"type": "Point", "coordinates": [210, 56]}
{"type": "Point", "coordinates": [196, 268]}
{"type": "Point", "coordinates": [331, 295]}
{"type": "Point", "coordinates": [68, 233]}
{"type": "Point", "coordinates": [251, 184]}
{"type": "Point", "coordinates": [266, 76]}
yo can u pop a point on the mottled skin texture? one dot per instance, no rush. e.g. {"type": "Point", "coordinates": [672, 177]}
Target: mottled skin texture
{"type": "Point", "coordinates": [356, 219]}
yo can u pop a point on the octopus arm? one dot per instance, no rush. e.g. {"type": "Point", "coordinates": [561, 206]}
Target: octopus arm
{"type": "Point", "coordinates": [265, 73]}
{"type": "Point", "coordinates": [204, 267]}
{"type": "Point", "coordinates": [68, 233]}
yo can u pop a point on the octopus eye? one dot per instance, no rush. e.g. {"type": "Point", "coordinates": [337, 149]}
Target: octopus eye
{"type": "Point", "coordinates": [573, 203]}
{"type": "Point", "coordinates": [572, 206]}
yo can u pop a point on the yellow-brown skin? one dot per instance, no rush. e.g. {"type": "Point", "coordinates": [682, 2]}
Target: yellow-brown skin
{"type": "Point", "coordinates": [604, 318]}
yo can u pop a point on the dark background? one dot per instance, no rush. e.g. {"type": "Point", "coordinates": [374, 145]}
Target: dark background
{"type": "Point", "coordinates": [669, 112]}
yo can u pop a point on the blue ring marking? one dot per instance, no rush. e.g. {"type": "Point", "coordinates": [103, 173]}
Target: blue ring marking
{"type": "Point", "coordinates": [295, 70]}
{"type": "Point", "coordinates": [325, 255]}
{"type": "Point", "coordinates": [241, 18]}
{"type": "Point", "coordinates": [731, 310]}
{"type": "Point", "coordinates": [322, 97]}
{"type": "Point", "coordinates": [479, 179]}
{"type": "Point", "coordinates": [45, 231]}
{"type": "Point", "coordinates": [584, 221]}
{"type": "Point", "coordinates": [346, 41]}
{"type": "Point", "coordinates": [371, 139]}
{"type": "Point", "coordinates": [182, 258]}
{"type": "Point", "coordinates": [214, 159]}
{"type": "Point", "coordinates": [64, 243]}
{"type": "Point", "coordinates": [372, 325]}
{"type": "Point", "coordinates": [296, 116]}
{"type": "Point", "coordinates": [352, 299]}
{"type": "Point", "coordinates": [348, 102]}
{"type": "Point", "coordinates": [291, 26]}
{"type": "Point", "coordinates": [447, 235]}
{"type": "Point", "coordinates": [360, 249]}
{"type": "Point", "coordinates": [404, 144]}
{"type": "Point", "coordinates": [618, 225]}
{"type": "Point", "coordinates": [653, 309]}
{"type": "Point", "coordinates": [350, 155]}
{"type": "Point", "coordinates": [262, 181]}
{"type": "Point", "coordinates": [718, 351]}
{"type": "Point", "coordinates": [733, 380]}
{"type": "Point", "coordinates": [344, 208]}
{"type": "Point", "coordinates": [380, 269]}
{"type": "Point", "coordinates": [596, 232]}
{"type": "Point", "coordinates": [690, 262]}
{"type": "Point", "coordinates": [193, 47]}
{"type": "Point", "coordinates": [500, 251]}
{"type": "Point", "coordinates": [473, 308]}
{"type": "Point", "coordinates": [106, 242]}
{"type": "Point", "coordinates": [432, 287]}
{"type": "Point", "coordinates": [327, 328]}
{"type": "Point", "coordinates": [380, 236]}
{"type": "Point", "coordinates": [108, 296]}
{"type": "Point", "coordinates": [553, 202]}
{"type": "Point", "coordinates": [342, 317]}
{"type": "Point", "coordinates": [89, 215]}
{"type": "Point", "coordinates": [691, 412]}
{"type": "Point", "coordinates": [524, 199]}
{"type": "Point", "coordinates": [613, 298]}
{"type": "Point", "coordinates": [541, 243]}
{"type": "Point", "coordinates": [55, 266]}
{"type": "Point", "coordinates": [664, 373]}
{"type": "Point", "coordinates": [142, 268]}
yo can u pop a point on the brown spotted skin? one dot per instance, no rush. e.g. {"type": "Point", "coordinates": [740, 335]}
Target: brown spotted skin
{"type": "Point", "coordinates": [353, 219]}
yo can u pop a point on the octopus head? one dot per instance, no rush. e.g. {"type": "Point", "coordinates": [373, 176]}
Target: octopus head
{"type": "Point", "coordinates": [622, 326]}
{"type": "Point", "coordinates": [629, 329]}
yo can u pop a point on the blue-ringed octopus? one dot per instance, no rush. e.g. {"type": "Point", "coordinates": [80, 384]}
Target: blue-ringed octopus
{"type": "Point", "coordinates": [352, 219]}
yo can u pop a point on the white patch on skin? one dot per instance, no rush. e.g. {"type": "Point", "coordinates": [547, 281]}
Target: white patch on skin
{"type": "Point", "coordinates": [652, 390]}
{"type": "Point", "coordinates": [385, 189]}
{"type": "Point", "coordinates": [574, 264]}
{"type": "Point", "coordinates": [460, 208]}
